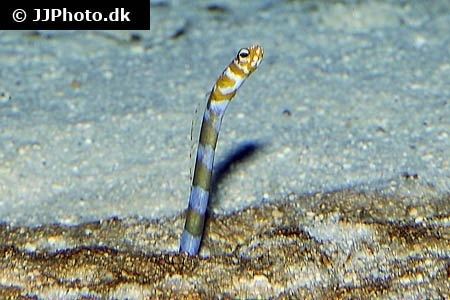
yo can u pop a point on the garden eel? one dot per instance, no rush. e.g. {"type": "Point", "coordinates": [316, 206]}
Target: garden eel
{"type": "Point", "coordinates": [225, 88]}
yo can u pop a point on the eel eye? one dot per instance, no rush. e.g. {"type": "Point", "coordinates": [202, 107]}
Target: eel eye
{"type": "Point", "coordinates": [243, 53]}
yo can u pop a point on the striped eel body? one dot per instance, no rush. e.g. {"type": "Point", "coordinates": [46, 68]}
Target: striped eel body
{"type": "Point", "coordinates": [245, 63]}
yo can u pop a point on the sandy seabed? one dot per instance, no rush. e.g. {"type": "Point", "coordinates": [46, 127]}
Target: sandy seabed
{"type": "Point", "coordinates": [343, 194]}
{"type": "Point", "coordinates": [341, 245]}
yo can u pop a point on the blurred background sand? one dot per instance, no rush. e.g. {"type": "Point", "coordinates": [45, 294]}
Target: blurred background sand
{"type": "Point", "coordinates": [350, 95]}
